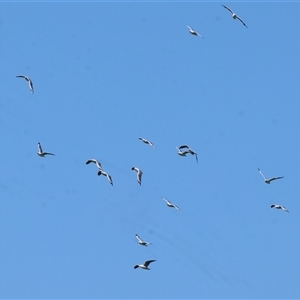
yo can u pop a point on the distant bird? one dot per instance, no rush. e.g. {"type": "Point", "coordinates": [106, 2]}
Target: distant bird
{"type": "Point", "coordinates": [170, 204]}
{"type": "Point", "coordinates": [141, 242]}
{"type": "Point", "coordinates": [279, 207]}
{"type": "Point", "coordinates": [138, 175]}
{"type": "Point", "coordinates": [41, 152]}
{"type": "Point", "coordinates": [189, 150]}
{"type": "Point", "coordinates": [95, 161]}
{"type": "Point", "coordinates": [101, 172]}
{"type": "Point", "coordinates": [29, 82]}
{"type": "Point", "coordinates": [193, 32]}
{"type": "Point", "coordinates": [147, 142]}
{"type": "Point", "coordinates": [235, 16]}
{"type": "Point", "coordinates": [145, 265]}
{"type": "Point", "coordinates": [270, 179]}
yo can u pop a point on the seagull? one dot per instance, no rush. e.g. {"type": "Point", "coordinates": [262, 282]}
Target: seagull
{"type": "Point", "coordinates": [29, 82]}
{"type": "Point", "coordinates": [101, 172]}
{"type": "Point", "coordinates": [279, 207]}
{"type": "Point", "coordinates": [147, 142]}
{"type": "Point", "coordinates": [170, 204]}
{"type": "Point", "coordinates": [145, 265]}
{"type": "Point", "coordinates": [270, 179]}
{"type": "Point", "coordinates": [189, 150]}
{"type": "Point", "coordinates": [41, 153]}
{"type": "Point", "coordinates": [93, 160]}
{"type": "Point", "coordinates": [235, 16]}
{"type": "Point", "coordinates": [139, 174]}
{"type": "Point", "coordinates": [193, 32]}
{"type": "Point", "coordinates": [141, 242]}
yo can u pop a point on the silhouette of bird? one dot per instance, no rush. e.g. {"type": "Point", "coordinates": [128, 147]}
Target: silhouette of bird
{"type": "Point", "coordinates": [277, 206]}
{"type": "Point", "coordinates": [29, 82]}
{"type": "Point", "coordinates": [193, 32]}
{"type": "Point", "coordinates": [41, 152]}
{"type": "Point", "coordinates": [147, 142]}
{"type": "Point", "coordinates": [170, 204]}
{"type": "Point", "coordinates": [145, 265]}
{"type": "Point", "coordinates": [139, 174]}
{"type": "Point", "coordinates": [141, 242]}
{"type": "Point", "coordinates": [270, 179]}
{"type": "Point", "coordinates": [234, 15]}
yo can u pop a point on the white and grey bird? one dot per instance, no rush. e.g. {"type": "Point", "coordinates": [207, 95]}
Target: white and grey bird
{"type": "Point", "coordinates": [234, 15]}
{"type": "Point", "coordinates": [277, 206]}
{"type": "Point", "coordinates": [145, 265]}
{"type": "Point", "coordinates": [188, 150]}
{"type": "Point", "coordinates": [29, 82]}
{"type": "Point", "coordinates": [41, 152]}
{"type": "Point", "coordinates": [141, 242]}
{"type": "Point", "coordinates": [270, 179]}
{"type": "Point", "coordinates": [95, 161]}
{"type": "Point", "coordinates": [193, 32]}
{"type": "Point", "coordinates": [147, 142]}
{"type": "Point", "coordinates": [101, 172]}
{"type": "Point", "coordinates": [170, 204]}
{"type": "Point", "coordinates": [138, 175]}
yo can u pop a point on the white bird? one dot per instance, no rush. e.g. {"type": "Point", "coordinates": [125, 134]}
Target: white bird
{"type": "Point", "coordinates": [279, 207]}
{"type": "Point", "coordinates": [193, 32]}
{"type": "Point", "coordinates": [93, 160]}
{"type": "Point", "coordinates": [141, 242]}
{"type": "Point", "coordinates": [41, 152]}
{"type": "Point", "coordinates": [138, 175]}
{"type": "Point", "coordinates": [101, 172]}
{"type": "Point", "coordinates": [145, 265]}
{"type": "Point", "coordinates": [189, 150]}
{"type": "Point", "coordinates": [29, 82]}
{"type": "Point", "coordinates": [270, 179]}
{"type": "Point", "coordinates": [147, 142]}
{"type": "Point", "coordinates": [234, 15]}
{"type": "Point", "coordinates": [170, 204]}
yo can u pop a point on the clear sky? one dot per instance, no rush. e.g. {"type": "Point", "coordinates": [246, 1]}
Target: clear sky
{"type": "Point", "coordinates": [107, 73]}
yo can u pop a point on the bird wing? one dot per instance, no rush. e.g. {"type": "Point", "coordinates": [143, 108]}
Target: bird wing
{"type": "Point", "coordinates": [148, 262]}
{"type": "Point", "coordinates": [23, 76]}
{"type": "Point", "coordinates": [40, 148]}
{"type": "Point", "coordinates": [275, 178]}
{"type": "Point", "coordinates": [228, 8]}
{"type": "Point", "coordinates": [261, 173]}
{"type": "Point", "coordinates": [177, 207]}
{"type": "Point", "coordinates": [48, 153]}
{"type": "Point", "coordinates": [183, 147]}
{"type": "Point", "coordinates": [190, 28]}
{"type": "Point", "coordinates": [109, 178]}
{"type": "Point", "coordinates": [91, 161]}
{"type": "Point", "coordinates": [241, 21]}
{"type": "Point", "coordinates": [139, 176]}
{"type": "Point", "coordinates": [167, 201]}
{"type": "Point", "coordinates": [138, 237]}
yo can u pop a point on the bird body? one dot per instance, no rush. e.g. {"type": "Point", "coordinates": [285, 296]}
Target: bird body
{"type": "Point", "coordinates": [41, 153]}
{"type": "Point", "coordinates": [29, 82]}
{"type": "Point", "coordinates": [147, 142]}
{"type": "Point", "coordinates": [234, 15]}
{"type": "Point", "coordinates": [268, 181]}
{"type": "Point", "coordinates": [145, 265]}
{"type": "Point", "coordinates": [277, 206]}
{"type": "Point", "coordinates": [139, 174]}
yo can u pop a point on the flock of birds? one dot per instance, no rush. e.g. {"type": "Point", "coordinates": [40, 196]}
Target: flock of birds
{"type": "Point", "coordinates": [183, 150]}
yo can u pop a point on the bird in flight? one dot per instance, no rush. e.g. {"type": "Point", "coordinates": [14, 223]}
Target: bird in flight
{"type": "Point", "coordinates": [145, 265]}
{"type": "Point", "coordinates": [147, 142]}
{"type": "Point", "coordinates": [141, 242]}
{"type": "Point", "coordinates": [95, 161]}
{"type": "Point", "coordinates": [29, 82]}
{"type": "Point", "coordinates": [101, 172]}
{"type": "Point", "coordinates": [279, 207]}
{"type": "Point", "coordinates": [270, 179]}
{"type": "Point", "coordinates": [193, 32]}
{"type": "Point", "coordinates": [170, 204]}
{"type": "Point", "coordinates": [138, 175]}
{"type": "Point", "coordinates": [234, 15]}
{"type": "Point", "coordinates": [41, 152]}
{"type": "Point", "coordinates": [188, 150]}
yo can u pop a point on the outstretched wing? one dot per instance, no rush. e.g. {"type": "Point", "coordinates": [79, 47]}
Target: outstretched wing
{"type": "Point", "coordinates": [40, 148]}
{"type": "Point", "coordinates": [184, 147]}
{"type": "Point", "coordinates": [275, 178]}
{"type": "Point", "coordinates": [261, 173]}
{"type": "Point", "coordinates": [241, 21]}
{"type": "Point", "coordinates": [228, 8]}
{"type": "Point", "coordinates": [138, 238]}
{"type": "Point", "coordinates": [148, 262]}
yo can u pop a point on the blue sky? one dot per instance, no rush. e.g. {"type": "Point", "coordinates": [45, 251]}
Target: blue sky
{"type": "Point", "coordinates": [107, 73]}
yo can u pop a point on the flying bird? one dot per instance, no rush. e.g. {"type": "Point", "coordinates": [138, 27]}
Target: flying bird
{"type": "Point", "coordinates": [170, 204]}
{"type": "Point", "coordinates": [141, 242]}
{"type": "Point", "coordinates": [187, 151]}
{"type": "Point", "coordinates": [193, 32]}
{"type": "Point", "coordinates": [147, 142]}
{"type": "Point", "coordinates": [41, 152]}
{"type": "Point", "coordinates": [235, 16]}
{"type": "Point", "coordinates": [270, 179]}
{"type": "Point", "coordinates": [279, 207]}
{"type": "Point", "coordinates": [101, 172]}
{"type": "Point", "coordinates": [95, 161]}
{"type": "Point", "coordinates": [145, 265]}
{"type": "Point", "coordinates": [138, 175]}
{"type": "Point", "coordinates": [29, 82]}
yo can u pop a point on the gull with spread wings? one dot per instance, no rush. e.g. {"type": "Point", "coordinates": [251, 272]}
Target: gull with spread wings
{"type": "Point", "coordinates": [29, 82]}
{"type": "Point", "coordinates": [141, 242]}
{"type": "Point", "coordinates": [145, 265]}
{"type": "Point", "coordinates": [95, 161]}
{"type": "Point", "coordinates": [234, 15]}
{"type": "Point", "coordinates": [188, 150]}
{"type": "Point", "coordinates": [270, 179]}
{"type": "Point", "coordinates": [279, 207]}
{"type": "Point", "coordinates": [41, 153]}
{"type": "Point", "coordinates": [101, 172]}
{"type": "Point", "coordinates": [170, 204]}
{"type": "Point", "coordinates": [138, 175]}
{"type": "Point", "coordinates": [193, 32]}
{"type": "Point", "coordinates": [147, 142]}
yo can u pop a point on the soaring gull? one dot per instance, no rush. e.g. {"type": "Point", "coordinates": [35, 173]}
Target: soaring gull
{"type": "Point", "coordinates": [141, 242]}
{"type": "Point", "coordinates": [29, 82]}
{"type": "Point", "coordinates": [279, 207]}
{"type": "Point", "coordinates": [234, 15]}
{"type": "Point", "coordinates": [138, 175]}
{"type": "Point", "coordinates": [270, 179]}
{"type": "Point", "coordinates": [170, 204]}
{"type": "Point", "coordinates": [193, 32]}
{"type": "Point", "coordinates": [145, 265]}
{"type": "Point", "coordinates": [41, 152]}
{"type": "Point", "coordinates": [95, 161]}
{"type": "Point", "coordinates": [188, 150]}
{"type": "Point", "coordinates": [147, 142]}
